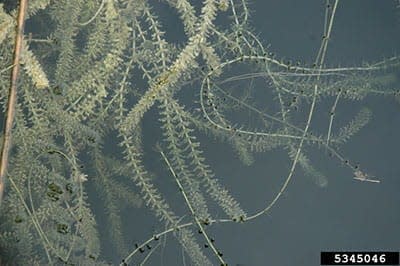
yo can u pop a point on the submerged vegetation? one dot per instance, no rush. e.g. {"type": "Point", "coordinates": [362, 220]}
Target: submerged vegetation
{"type": "Point", "coordinates": [97, 75]}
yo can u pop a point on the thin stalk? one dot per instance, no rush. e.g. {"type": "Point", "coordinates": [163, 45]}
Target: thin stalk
{"type": "Point", "coordinates": [12, 95]}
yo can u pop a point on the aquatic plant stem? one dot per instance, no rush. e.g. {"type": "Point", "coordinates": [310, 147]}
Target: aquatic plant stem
{"type": "Point", "coordinates": [12, 96]}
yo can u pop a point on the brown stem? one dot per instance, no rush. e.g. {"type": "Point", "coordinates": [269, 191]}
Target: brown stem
{"type": "Point", "coordinates": [12, 96]}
